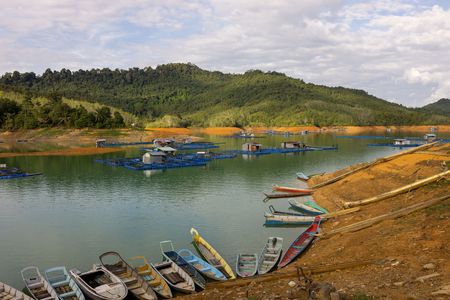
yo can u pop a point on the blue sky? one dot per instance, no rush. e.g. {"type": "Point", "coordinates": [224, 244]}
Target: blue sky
{"type": "Point", "coordinates": [396, 50]}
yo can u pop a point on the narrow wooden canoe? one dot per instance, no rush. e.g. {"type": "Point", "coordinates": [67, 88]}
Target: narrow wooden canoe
{"type": "Point", "coordinates": [36, 284]}
{"type": "Point", "coordinates": [202, 266]}
{"type": "Point", "coordinates": [284, 195]}
{"type": "Point", "coordinates": [292, 190]}
{"type": "Point", "coordinates": [305, 208]}
{"type": "Point", "coordinates": [63, 284]}
{"type": "Point", "coordinates": [211, 255]}
{"type": "Point", "coordinates": [100, 284]}
{"type": "Point", "coordinates": [302, 176]}
{"type": "Point", "coordinates": [177, 279]}
{"type": "Point", "coordinates": [171, 255]}
{"type": "Point", "coordinates": [314, 205]}
{"type": "Point", "coordinates": [153, 278]}
{"type": "Point", "coordinates": [270, 255]}
{"type": "Point", "coordinates": [8, 292]}
{"type": "Point", "coordinates": [301, 243]}
{"type": "Point", "coordinates": [247, 265]}
{"type": "Point", "coordinates": [280, 219]}
{"type": "Point", "coordinates": [137, 285]}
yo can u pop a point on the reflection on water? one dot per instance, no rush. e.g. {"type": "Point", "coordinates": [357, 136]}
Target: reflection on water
{"type": "Point", "coordinates": [79, 209]}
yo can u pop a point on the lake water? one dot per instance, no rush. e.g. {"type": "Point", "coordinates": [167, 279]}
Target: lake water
{"type": "Point", "coordinates": [79, 209]}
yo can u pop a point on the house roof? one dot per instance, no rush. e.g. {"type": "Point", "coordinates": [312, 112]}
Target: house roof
{"type": "Point", "coordinates": [166, 149]}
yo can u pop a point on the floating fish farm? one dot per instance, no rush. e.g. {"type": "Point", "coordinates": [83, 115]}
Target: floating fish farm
{"type": "Point", "coordinates": [393, 145]}
{"type": "Point", "coordinates": [11, 173]}
{"type": "Point", "coordinates": [267, 151]}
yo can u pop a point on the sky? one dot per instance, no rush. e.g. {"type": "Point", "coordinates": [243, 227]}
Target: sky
{"type": "Point", "coordinates": [394, 49]}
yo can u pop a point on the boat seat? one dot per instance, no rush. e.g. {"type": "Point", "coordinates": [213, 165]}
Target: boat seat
{"type": "Point", "coordinates": [129, 280]}
{"type": "Point", "coordinates": [49, 298]}
{"type": "Point", "coordinates": [68, 294]}
{"type": "Point", "coordinates": [60, 283]}
{"type": "Point", "coordinates": [35, 285]}
{"type": "Point", "coordinates": [174, 278]}
{"type": "Point", "coordinates": [148, 277]}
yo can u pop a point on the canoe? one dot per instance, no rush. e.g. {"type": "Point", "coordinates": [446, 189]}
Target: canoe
{"type": "Point", "coordinates": [285, 195]}
{"type": "Point", "coordinates": [171, 255]}
{"type": "Point", "coordinates": [280, 219]}
{"type": "Point", "coordinates": [301, 243]}
{"type": "Point", "coordinates": [302, 176]}
{"type": "Point", "coordinates": [135, 283]}
{"type": "Point", "coordinates": [36, 284]}
{"type": "Point", "coordinates": [177, 279]}
{"type": "Point", "coordinates": [153, 278]}
{"type": "Point", "coordinates": [63, 284]}
{"type": "Point", "coordinates": [292, 190]}
{"type": "Point", "coordinates": [315, 206]}
{"type": "Point", "coordinates": [9, 293]}
{"type": "Point", "coordinates": [284, 213]}
{"type": "Point", "coordinates": [305, 208]}
{"type": "Point", "coordinates": [247, 264]}
{"type": "Point", "coordinates": [270, 255]}
{"type": "Point", "coordinates": [211, 255]}
{"type": "Point", "coordinates": [202, 266]}
{"type": "Point", "coordinates": [100, 284]}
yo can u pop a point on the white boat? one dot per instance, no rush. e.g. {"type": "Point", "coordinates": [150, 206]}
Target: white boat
{"type": "Point", "coordinates": [270, 255]}
{"type": "Point", "coordinates": [36, 284]}
{"type": "Point", "coordinates": [278, 219]}
{"type": "Point", "coordinates": [175, 276]}
{"type": "Point", "coordinates": [9, 293]}
{"type": "Point", "coordinates": [63, 284]}
{"type": "Point", "coordinates": [100, 284]}
{"type": "Point", "coordinates": [247, 264]}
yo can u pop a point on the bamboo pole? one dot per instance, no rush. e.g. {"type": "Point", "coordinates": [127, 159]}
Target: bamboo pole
{"type": "Point", "coordinates": [307, 269]}
{"type": "Point", "coordinates": [398, 191]}
{"type": "Point", "coordinates": [340, 212]}
{"type": "Point", "coordinates": [377, 161]}
{"type": "Point", "coordinates": [392, 215]}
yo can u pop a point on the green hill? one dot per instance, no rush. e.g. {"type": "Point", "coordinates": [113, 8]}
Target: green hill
{"type": "Point", "coordinates": [185, 95]}
{"type": "Point", "coordinates": [442, 106]}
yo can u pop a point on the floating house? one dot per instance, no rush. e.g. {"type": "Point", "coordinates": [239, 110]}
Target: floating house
{"type": "Point", "coordinates": [430, 137]}
{"type": "Point", "coordinates": [166, 150]}
{"type": "Point", "coordinates": [161, 142]}
{"type": "Point", "coordinates": [252, 147]}
{"type": "Point", "coordinates": [154, 157]}
{"type": "Point", "coordinates": [100, 143]}
{"type": "Point", "coordinates": [293, 145]}
{"type": "Point", "coordinates": [401, 142]}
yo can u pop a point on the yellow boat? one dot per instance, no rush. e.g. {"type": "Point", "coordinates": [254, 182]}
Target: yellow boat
{"type": "Point", "coordinates": [154, 279]}
{"type": "Point", "coordinates": [211, 255]}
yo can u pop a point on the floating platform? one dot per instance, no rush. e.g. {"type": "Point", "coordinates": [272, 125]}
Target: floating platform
{"type": "Point", "coordinates": [123, 144]}
{"type": "Point", "coordinates": [195, 146]}
{"type": "Point", "coordinates": [393, 145]}
{"type": "Point", "coordinates": [283, 150]}
{"type": "Point", "coordinates": [11, 173]}
{"type": "Point", "coordinates": [363, 137]}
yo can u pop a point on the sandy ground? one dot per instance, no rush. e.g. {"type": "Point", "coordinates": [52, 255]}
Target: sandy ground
{"type": "Point", "coordinates": [407, 248]}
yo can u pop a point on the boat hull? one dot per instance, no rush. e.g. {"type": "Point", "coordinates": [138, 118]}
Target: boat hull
{"type": "Point", "coordinates": [292, 190]}
{"type": "Point", "coordinates": [305, 209]}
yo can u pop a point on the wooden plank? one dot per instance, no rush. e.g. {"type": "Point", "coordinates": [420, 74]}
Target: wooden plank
{"type": "Point", "coordinates": [398, 191]}
{"type": "Point", "coordinates": [340, 212]}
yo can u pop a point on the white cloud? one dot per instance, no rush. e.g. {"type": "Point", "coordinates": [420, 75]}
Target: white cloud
{"type": "Point", "coordinates": [397, 50]}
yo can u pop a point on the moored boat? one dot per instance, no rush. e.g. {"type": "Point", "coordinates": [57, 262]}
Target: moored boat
{"type": "Point", "coordinates": [247, 264]}
{"type": "Point", "coordinates": [292, 190]}
{"type": "Point", "coordinates": [135, 283]}
{"type": "Point", "coordinates": [171, 255]}
{"type": "Point", "coordinates": [211, 255]}
{"type": "Point", "coordinates": [314, 205]}
{"type": "Point", "coordinates": [302, 176]}
{"type": "Point", "coordinates": [100, 284]}
{"type": "Point", "coordinates": [36, 284]}
{"type": "Point", "coordinates": [280, 219]}
{"type": "Point", "coordinates": [305, 208]}
{"type": "Point", "coordinates": [300, 243]}
{"type": "Point", "coordinates": [63, 284]}
{"type": "Point", "coordinates": [284, 195]}
{"type": "Point", "coordinates": [153, 278]}
{"type": "Point", "coordinates": [9, 293]}
{"type": "Point", "coordinates": [177, 279]}
{"type": "Point", "coordinates": [202, 266]}
{"type": "Point", "coordinates": [270, 255]}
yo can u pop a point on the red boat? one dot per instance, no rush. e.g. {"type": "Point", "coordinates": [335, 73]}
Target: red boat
{"type": "Point", "coordinates": [300, 243]}
{"type": "Point", "coordinates": [292, 190]}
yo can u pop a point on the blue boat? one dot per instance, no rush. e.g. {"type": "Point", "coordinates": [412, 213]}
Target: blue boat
{"type": "Point", "coordinates": [63, 284]}
{"type": "Point", "coordinates": [11, 173]}
{"type": "Point", "coordinates": [302, 176]}
{"type": "Point", "coordinates": [201, 265]}
{"type": "Point", "coordinates": [305, 208]}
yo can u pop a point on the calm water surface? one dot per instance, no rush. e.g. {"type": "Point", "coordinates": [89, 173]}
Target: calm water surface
{"type": "Point", "coordinates": [79, 209]}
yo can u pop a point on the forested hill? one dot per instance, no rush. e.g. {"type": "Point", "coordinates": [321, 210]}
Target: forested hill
{"type": "Point", "coordinates": [185, 95]}
{"type": "Point", "coordinates": [441, 106]}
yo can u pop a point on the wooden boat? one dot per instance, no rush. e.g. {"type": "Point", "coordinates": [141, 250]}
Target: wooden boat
{"type": "Point", "coordinates": [171, 255]}
{"type": "Point", "coordinates": [270, 255]}
{"type": "Point", "coordinates": [175, 276]}
{"type": "Point", "coordinates": [100, 284]}
{"type": "Point", "coordinates": [137, 285]}
{"type": "Point", "coordinates": [63, 284]}
{"type": "Point", "coordinates": [302, 176]}
{"type": "Point", "coordinates": [202, 266]}
{"type": "Point", "coordinates": [284, 195]}
{"type": "Point", "coordinates": [280, 219]}
{"type": "Point", "coordinates": [211, 255]}
{"type": "Point", "coordinates": [300, 243]}
{"type": "Point", "coordinates": [305, 208]}
{"type": "Point", "coordinates": [292, 190]}
{"type": "Point", "coordinates": [247, 265]}
{"type": "Point", "coordinates": [153, 278]}
{"type": "Point", "coordinates": [36, 284]}
{"type": "Point", "coordinates": [314, 205]}
{"type": "Point", "coordinates": [9, 293]}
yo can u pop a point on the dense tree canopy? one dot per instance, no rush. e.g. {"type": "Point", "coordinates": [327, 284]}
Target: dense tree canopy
{"type": "Point", "coordinates": [185, 95]}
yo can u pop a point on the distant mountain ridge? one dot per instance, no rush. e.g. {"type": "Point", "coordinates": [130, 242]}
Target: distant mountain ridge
{"type": "Point", "coordinates": [183, 95]}
{"type": "Point", "coordinates": [442, 106]}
